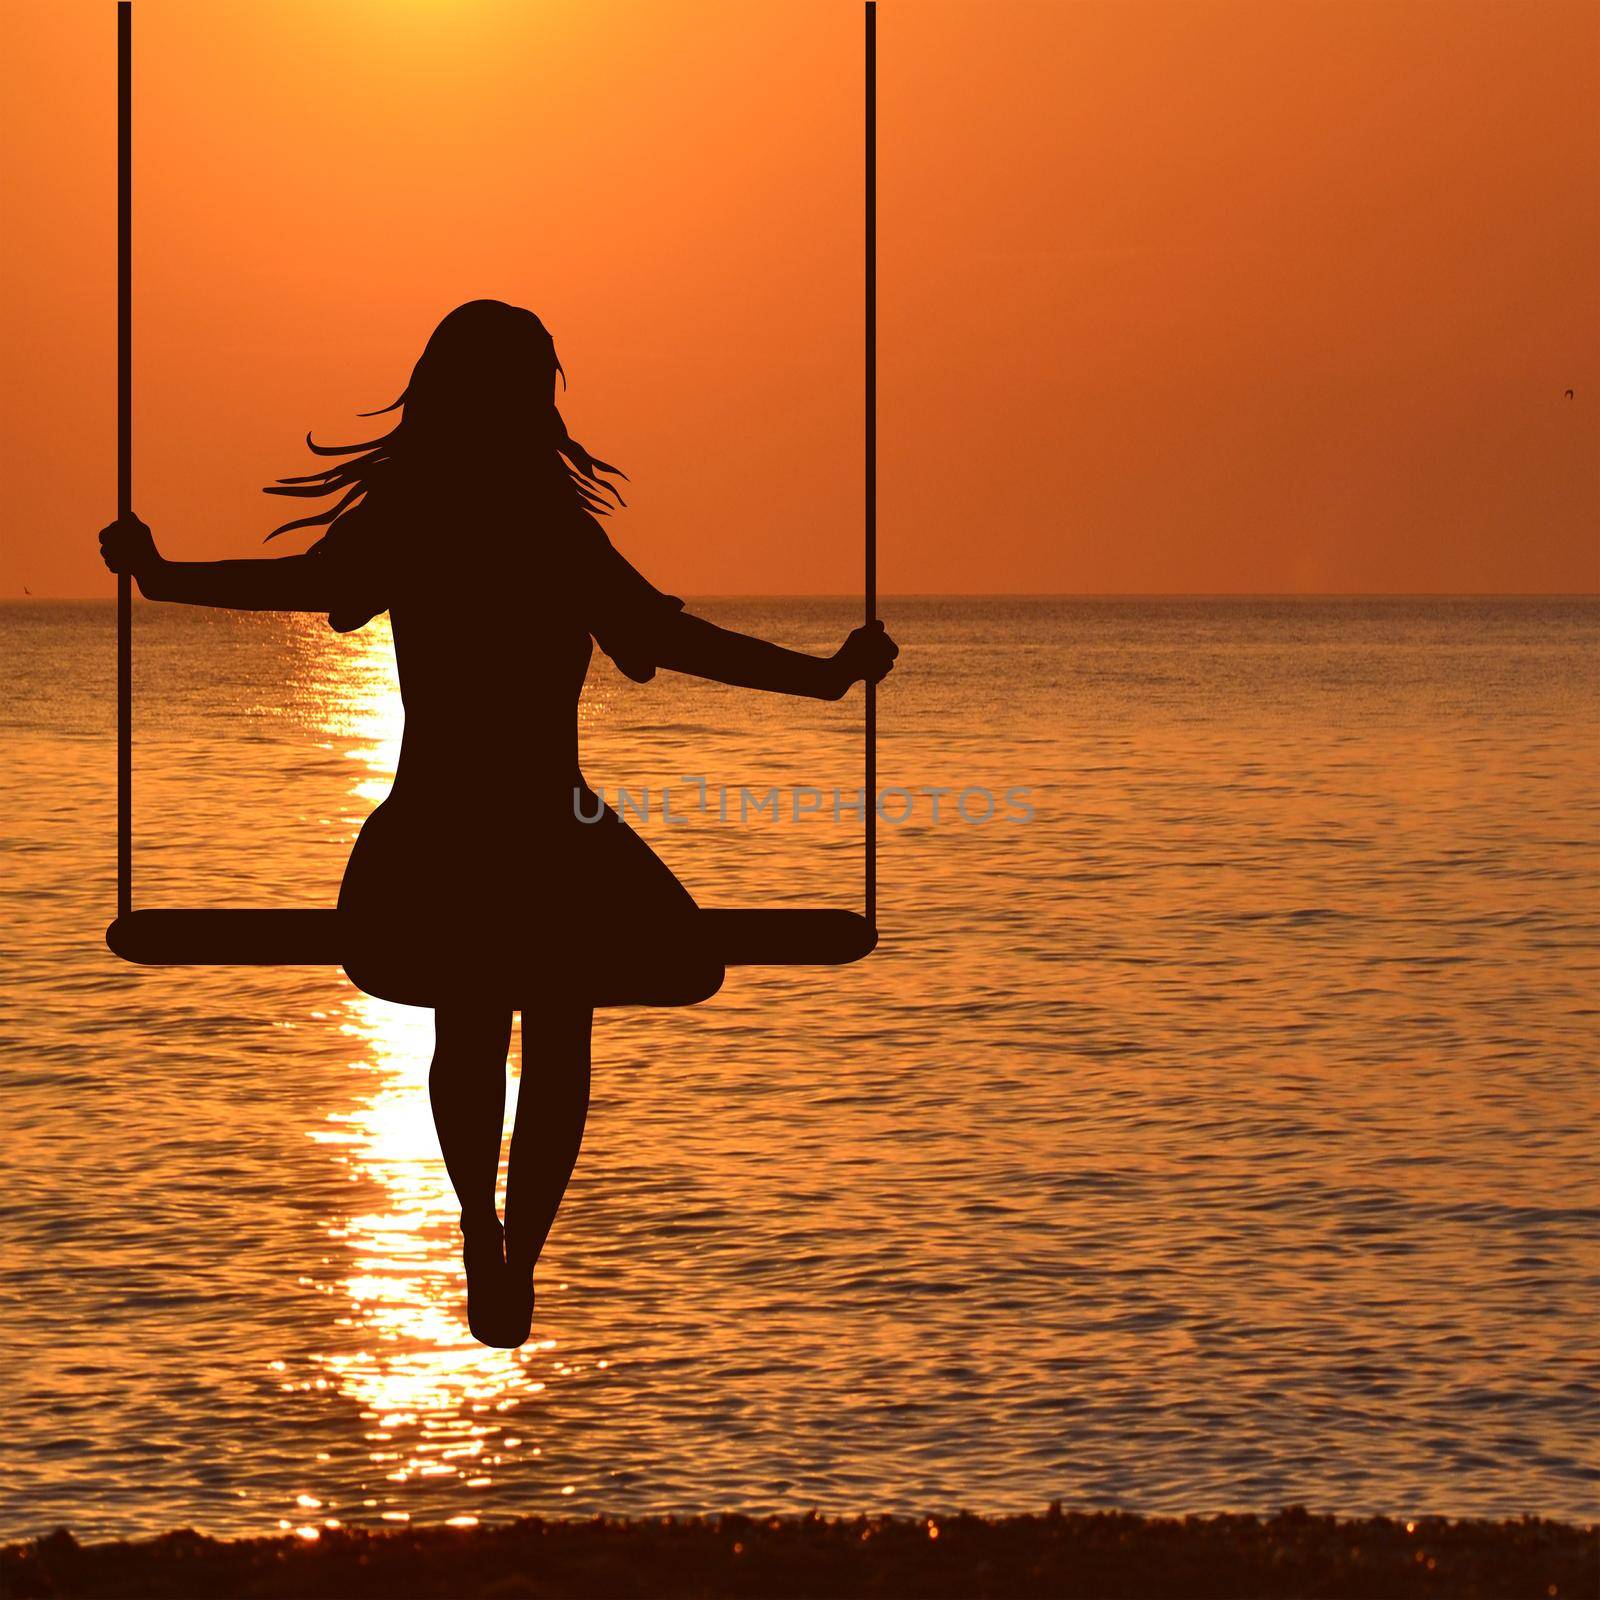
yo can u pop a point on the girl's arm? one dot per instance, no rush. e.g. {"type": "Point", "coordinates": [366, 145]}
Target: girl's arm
{"type": "Point", "coordinates": [281, 583]}
{"type": "Point", "coordinates": [641, 629]}
{"type": "Point", "coordinates": [691, 644]}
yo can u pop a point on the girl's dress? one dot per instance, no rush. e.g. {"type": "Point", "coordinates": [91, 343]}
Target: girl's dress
{"type": "Point", "coordinates": [477, 880]}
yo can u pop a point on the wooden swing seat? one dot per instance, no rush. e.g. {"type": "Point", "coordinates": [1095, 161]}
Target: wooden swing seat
{"type": "Point", "coordinates": [207, 937]}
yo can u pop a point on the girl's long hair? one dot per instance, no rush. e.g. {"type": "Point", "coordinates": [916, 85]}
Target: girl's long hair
{"type": "Point", "coordinates": [485, 355]}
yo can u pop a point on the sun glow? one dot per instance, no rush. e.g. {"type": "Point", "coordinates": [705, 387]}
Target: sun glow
{"type": "Point", "coordinates": [368, 712]}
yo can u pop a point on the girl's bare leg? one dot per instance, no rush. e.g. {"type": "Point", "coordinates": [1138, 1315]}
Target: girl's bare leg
{"type": "Point", "coordinates": [467, 1085]}
{"type": "Point", "coordinates": [552, 1107]}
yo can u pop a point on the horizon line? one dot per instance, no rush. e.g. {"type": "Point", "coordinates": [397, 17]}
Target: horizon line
{"type": "Point", "coordinates": [1016, 594]}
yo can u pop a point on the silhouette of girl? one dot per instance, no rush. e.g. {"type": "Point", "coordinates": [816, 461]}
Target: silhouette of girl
{"type": "Point", "coordinates": [473, 524]}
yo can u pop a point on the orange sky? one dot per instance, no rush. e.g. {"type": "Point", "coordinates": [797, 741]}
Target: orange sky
{"type": "Point", "coordinates": [1177, 295]}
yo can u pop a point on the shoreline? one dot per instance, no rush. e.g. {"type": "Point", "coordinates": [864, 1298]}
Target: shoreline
{"type": "Point", "coordinates": [1057, 1554]}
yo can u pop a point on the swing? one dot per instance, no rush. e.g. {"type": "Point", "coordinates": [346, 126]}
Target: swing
{"type": "Point", "coordinates": [194, 936]}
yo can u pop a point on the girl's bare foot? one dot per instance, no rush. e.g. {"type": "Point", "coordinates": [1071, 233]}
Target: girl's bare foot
{"type": "Point", "coordinates": [483, 1255]}
{"type": "Point", "coordinates": [517, 1307]}
{"type": "Point", "coordinates": [517, 1302]}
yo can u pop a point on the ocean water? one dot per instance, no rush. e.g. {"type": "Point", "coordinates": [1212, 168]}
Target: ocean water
{"type": "Point", "coordinates": [1214, 1127]}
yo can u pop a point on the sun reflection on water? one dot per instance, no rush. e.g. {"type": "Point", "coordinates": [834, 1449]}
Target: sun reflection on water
{"type": "Point", "coordinates": [435, 1404]}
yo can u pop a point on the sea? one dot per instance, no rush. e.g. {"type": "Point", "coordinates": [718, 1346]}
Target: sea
{"type": "Point", "coordinates": [1213, 1128]}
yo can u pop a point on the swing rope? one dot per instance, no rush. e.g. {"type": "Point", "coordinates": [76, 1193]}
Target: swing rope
{"type": "Point", "coordinates": [185, 937]}
{"type": "Point", "coordinates": [124, 451]}
{"type": "Point", "coordinates": [870, 585]}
